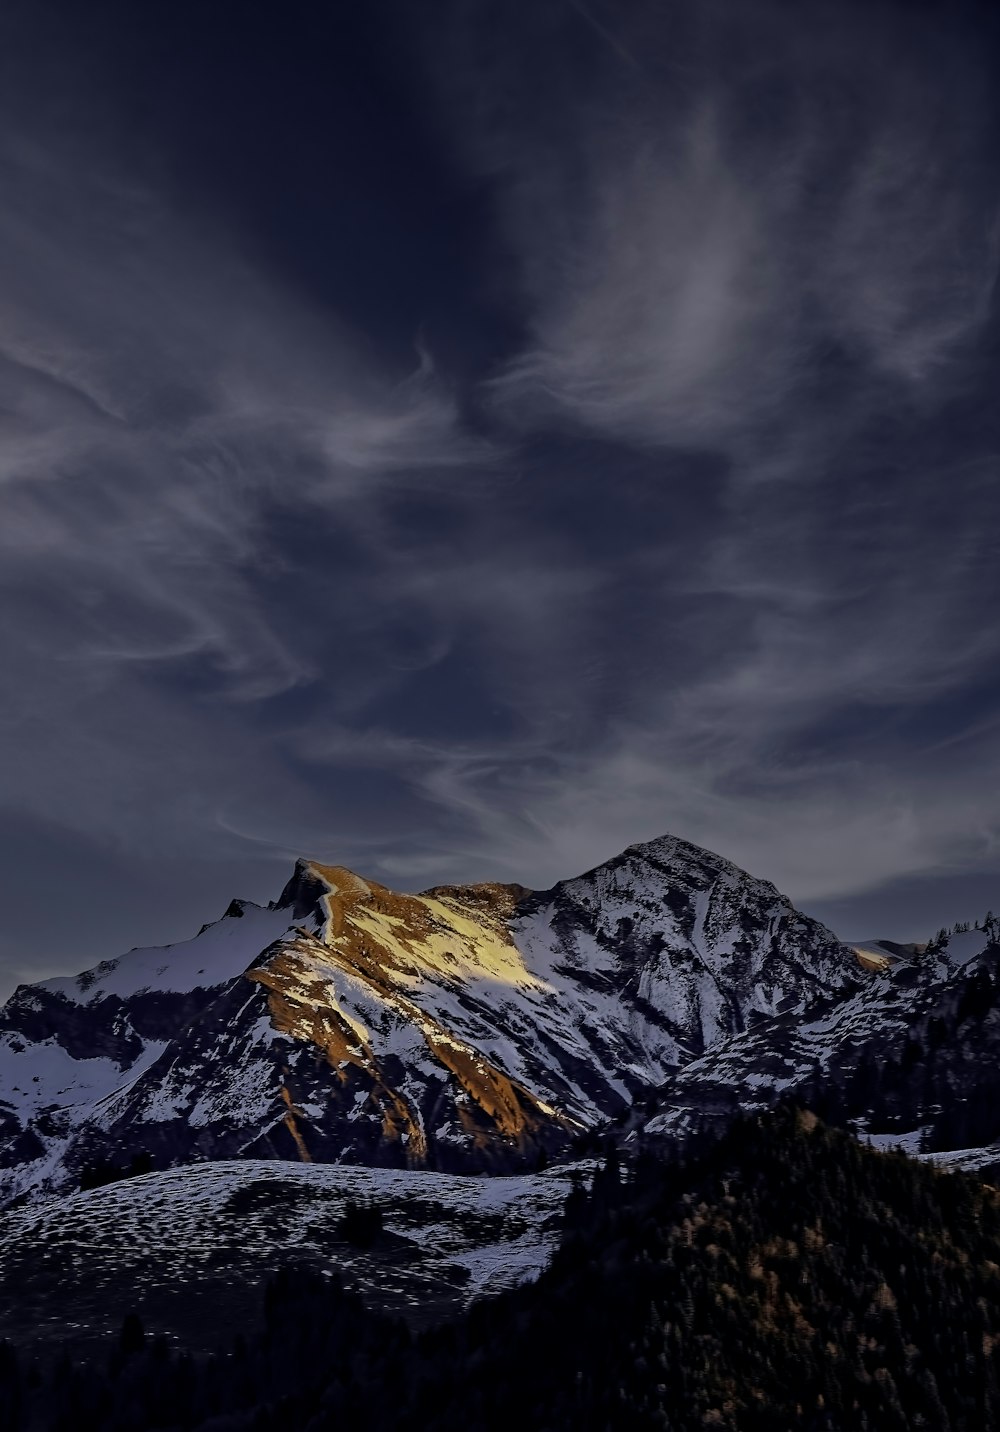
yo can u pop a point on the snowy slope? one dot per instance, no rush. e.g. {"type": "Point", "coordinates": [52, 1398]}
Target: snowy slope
{"type": "Point", "coordinates": [217, 954]}
{"type": "Point", "coordinates": [192, 1242]}
{"type": "Point", "coordinates": [69, 1062]}
{"type": "Point", "coordinates": [69, 1047]}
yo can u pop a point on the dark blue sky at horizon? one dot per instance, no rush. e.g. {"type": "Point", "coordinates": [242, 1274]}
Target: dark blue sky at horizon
{"type": "Point", "coordinates": [461, 440]}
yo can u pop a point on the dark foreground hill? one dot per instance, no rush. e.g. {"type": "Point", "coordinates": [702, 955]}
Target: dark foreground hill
{"type": "Point", "coordinates": [785, 1277]}
{"type": "Point", "coordinates": [191, 1248]}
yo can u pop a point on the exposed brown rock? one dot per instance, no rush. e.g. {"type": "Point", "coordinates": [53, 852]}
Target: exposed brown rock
{"type": "Point", "coordinates": [339, 1041]}
{"type": "Point", "coordinates": [514, 1111]}
{"type": "Point", "coordinates": [292, 1126]}
{"type": "Point", "coordinates": [374, 934]}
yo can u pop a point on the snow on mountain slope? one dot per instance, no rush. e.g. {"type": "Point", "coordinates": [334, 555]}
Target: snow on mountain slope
{"type": "Point", "coordinates": [187, 1245]}
{"type": "Point", "coordinates": [699, 947]}
{"type": "Point", "coordinates": [51, 1059]}
{"type": "Point", "coordinates": [926, 1030]}
{"type": "Point", "coordinates": [70, 1046]}
{"type": "Point", "coordinates": [39, 1076]}
{"type": "Point", "coordinates": [984, 1161]}
{"type": "Point", "coordinates": [467, 1027]}
{"type": "Point", "coordinates": [780, 1058]}
{"type": "Point", "coordinates": [217, 954]}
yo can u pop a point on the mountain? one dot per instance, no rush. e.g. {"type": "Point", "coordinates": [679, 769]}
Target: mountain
{"type": "Point", "coordinates": [914, 1054]}
{"type": "Point", "coordinates": [477, 1028]}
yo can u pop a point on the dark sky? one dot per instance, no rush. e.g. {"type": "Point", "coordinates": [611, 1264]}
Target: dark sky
{"type": "Point", "coordinates": [460, 439]}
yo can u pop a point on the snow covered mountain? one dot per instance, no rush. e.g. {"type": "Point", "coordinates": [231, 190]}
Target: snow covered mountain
{"type": "Point", "coordinates": [913, 1055]}
{"type": "Point", "coordinates": [469, 1028]}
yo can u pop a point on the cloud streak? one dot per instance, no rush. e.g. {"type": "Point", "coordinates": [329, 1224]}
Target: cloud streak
{"type": "Point", "coordinates": [825, 188]}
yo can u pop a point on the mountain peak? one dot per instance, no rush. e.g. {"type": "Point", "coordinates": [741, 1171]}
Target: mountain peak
{"type": "Point", "coordinates": [672, 851]}
{"type": "Point", "coordinates": [309, 887]}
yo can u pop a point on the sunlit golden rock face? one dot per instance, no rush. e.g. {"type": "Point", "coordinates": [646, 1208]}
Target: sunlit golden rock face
{"type": "Point", "coordinates": [871, 960]}
{"type": "Point", "coordinates": [454, 931]}
{"type": "Point", "coordinates": [378, 950]}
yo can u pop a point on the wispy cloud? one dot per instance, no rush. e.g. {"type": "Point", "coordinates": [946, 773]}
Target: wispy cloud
{"type": "Point", "coordinates": [813, 182]}
{"type": "Point", "coordinates": [166, 405]}
{"type": "Point", "coordinates": [778, 242]}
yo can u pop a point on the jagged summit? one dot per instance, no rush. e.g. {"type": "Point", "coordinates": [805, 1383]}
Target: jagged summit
{"type": "Point", "coordinates": [674, 850]}
{"type": "Point", "coordinates": [304, 892]}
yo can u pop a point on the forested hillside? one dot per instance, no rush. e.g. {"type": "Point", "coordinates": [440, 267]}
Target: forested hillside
{"type": "Point", "coordinates": [785, 1277]}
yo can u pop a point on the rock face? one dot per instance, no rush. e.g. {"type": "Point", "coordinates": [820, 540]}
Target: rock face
{"type": "Point", "coordinates": [468, 1028]}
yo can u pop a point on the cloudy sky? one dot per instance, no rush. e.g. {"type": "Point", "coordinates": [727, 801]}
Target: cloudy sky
{"type": "Point", "coordinates": [459, 440]}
